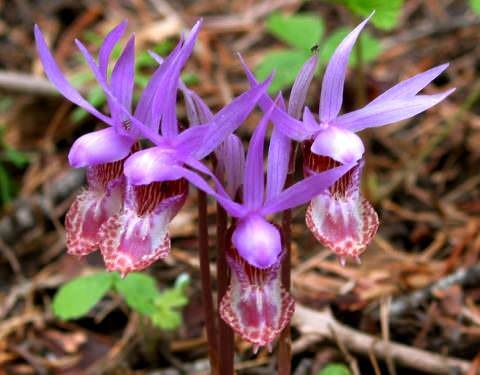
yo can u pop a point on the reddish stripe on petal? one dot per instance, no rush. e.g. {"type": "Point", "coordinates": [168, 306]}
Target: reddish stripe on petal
{"type": "Point", "coordinates": [138, 236]}
{"type": "Point", "coordinates": [256, 306]}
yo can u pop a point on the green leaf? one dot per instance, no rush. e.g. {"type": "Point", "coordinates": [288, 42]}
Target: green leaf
{"type": "Point", "coordinates": [166, 315]}
{"type": "Point", "coordinates": [17, 158]}
{"type": "Point", "coordinates": [371, 46]}
{"type": "Point", "coordinates": [387, 12]}
{"type": "Point", "coordinates": [300, 30]}
{"type": "Point", "coordinates": [77, 297]}
{"type": "Point", "coordinates": [286, 63]}
{"type": "Point", "coordinates": [139, 291]}
{"type": "Point", "coordinates": [335, 369]}
{"type": "Point", "coordinates": [475, 5]}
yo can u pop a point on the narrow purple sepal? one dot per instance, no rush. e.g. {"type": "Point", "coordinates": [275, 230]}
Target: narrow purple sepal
{"type": "Point", "coordinates": [229, 118]}
{"type": "Point", "coordinates": [389, 111]}
{"type": "Point", "coordinates": [304, 190]}
{"type": "Point", "coordinates": [300, 87]}
{"type": "Point", "coordinates": [123, 75]}
{"type": "Point", "coordinates": [56, 77]}
{"type": "Point", "coordinates": [411, 86]}
{"type": "Point", "coordinates": [254, 185]}
{"type": "Point", "coordinates": [108, 44]}
{"type": "Point", "coordinates": [231, 163]}
{"type": "Point", "coordinates": [165, 97]}
{"type": "Point", "coordinates": [289, 126]}
{"type": "Point", "coordinates": [334, 77]}
{"type": "Point", "coordinates": [279, 152]}
{"type": "Point", "coordinates": [99, 147]}
{"type": "Point", "coordinates": [143, 111]}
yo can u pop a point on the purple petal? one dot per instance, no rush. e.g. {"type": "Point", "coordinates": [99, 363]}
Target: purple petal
{"type": "Point", "coordinates": [138, 125]}
{"type": "Point", "coordinates": [279, 152]}
{"type": "Point", "coordinates": [99, 147]}
{"type": "Point", "coordinates": [334, 77]}
{"type": "Point", "coordinates": [143, 111]}
{"type": "Point", "coordinates": [197, 111]}
{"type": "Point", "coordinates": [231, 163]}
{"type": "Point", "coordinates": [165, 97]}
{"type": "Point", "coordinates": [123, 75]}
{"type": "Point", "coordinates": [389, 111]}
{"type": "Point", "coordinates": [257, 241]}
{"type": "Point", "coordinates": [340, 144]}
{"type": "Point", "coordinates": [108, 44]}
{"type": "Point", "coordinates": [289, 126]}
{"type": "Point", "coordinates": [55, 76]}
{"type": "Point", "coordinates": [411, 86]}
{"type": "Point", "coordinates": [155, 164]}
{"type": "Point", "coordinates": [254, 185]}
{"type": "Point", "coordinates": [304, 190]}
{"type": "Point", "coordinates": [300, 87]}
{"type": "Point", "coordinates": [229, 118]}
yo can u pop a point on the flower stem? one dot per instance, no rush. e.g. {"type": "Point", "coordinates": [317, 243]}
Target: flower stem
{"type": "Point", "coordinates": [284, 355]}
{"type": "Point", "coordinates": [206, 282]}
{"type": "Point", "coordinates": [225, 333]}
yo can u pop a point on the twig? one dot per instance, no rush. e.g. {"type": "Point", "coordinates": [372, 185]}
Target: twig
{"type": "Point", "coordinates": [26, 84]}
{"type": "Point", "coordinates": [324, 325]}
{"type": "Point", "coordinates": [206, 282]}
{"type": "Point", "coordinates": [408, 302]}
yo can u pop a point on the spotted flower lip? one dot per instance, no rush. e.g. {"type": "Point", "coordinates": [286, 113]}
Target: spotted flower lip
{"type": "Point", "coordinates": [341, 143]}
{"type": "Point", "coordinates": [255, 305]}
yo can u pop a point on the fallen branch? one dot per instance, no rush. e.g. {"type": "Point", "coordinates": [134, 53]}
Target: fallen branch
{"type": "Point", "coordinates": [26, 84]}
{"type": "Point", "coordinates": [323, 325]}
{"type": "Point", "coordinates": [409, 302]}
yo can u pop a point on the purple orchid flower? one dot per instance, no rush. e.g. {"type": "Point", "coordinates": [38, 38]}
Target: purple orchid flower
{"type": "Point", "coordinates": [341, 218]}
{"type": "Point", "coordinates": [137, 236]}
{"type": "Point", "coordinates": [103, 152]}
{"type": "Point", "coordinates": [255, 305]}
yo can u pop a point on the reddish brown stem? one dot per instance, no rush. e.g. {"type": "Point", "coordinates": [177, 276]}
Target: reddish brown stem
{"type": "Point", "coordinates": [206, 282]}
{"type": "Point", "coordinates": [284, 355]}
{"type": "Point", "coordinates": [225, 334]}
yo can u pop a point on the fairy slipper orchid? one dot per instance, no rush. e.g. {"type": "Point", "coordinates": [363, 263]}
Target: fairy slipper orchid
{"type": "Point", "coordinates": [256, 306]}
{"type": "Point", "coordinates": [341, 218]}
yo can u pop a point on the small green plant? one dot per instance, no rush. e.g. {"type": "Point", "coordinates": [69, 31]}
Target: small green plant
{"type": "Point", "coordinates": [9, 157]}
{"type": "Point", "coordinates": [335, 369]}
{"type": "Point", "coordinates": [76, 298]}
{"type": "Point", "coordinates": [302, 32]}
